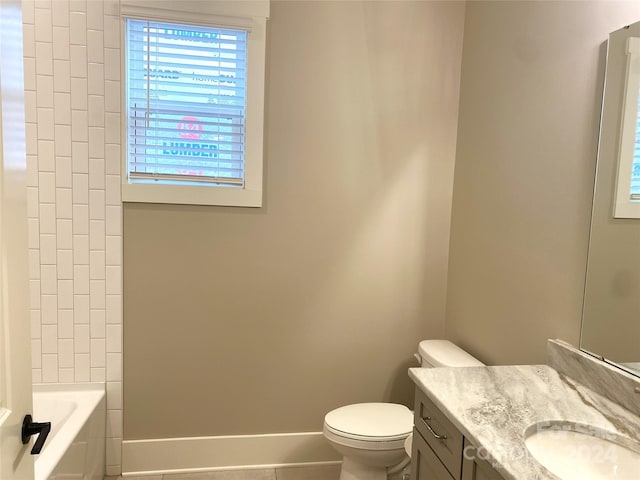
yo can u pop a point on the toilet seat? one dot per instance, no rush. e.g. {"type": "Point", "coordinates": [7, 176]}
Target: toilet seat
{"type": "Point", "coordinates": [373, 426]}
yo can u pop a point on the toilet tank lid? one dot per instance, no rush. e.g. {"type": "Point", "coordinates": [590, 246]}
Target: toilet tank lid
{"type": "Point", "coordinates": [443, 353]}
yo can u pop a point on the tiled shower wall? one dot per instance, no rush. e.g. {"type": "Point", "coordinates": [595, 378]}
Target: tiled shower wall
{"type": "Point", "coordinates": [72, 101]}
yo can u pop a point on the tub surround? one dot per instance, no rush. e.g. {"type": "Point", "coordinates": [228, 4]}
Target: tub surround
{"type": "Point", "coordinates": [494, 406]}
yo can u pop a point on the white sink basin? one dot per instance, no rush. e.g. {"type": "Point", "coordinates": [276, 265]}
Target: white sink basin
{"type": "Point", "coordinates": [581, 452]}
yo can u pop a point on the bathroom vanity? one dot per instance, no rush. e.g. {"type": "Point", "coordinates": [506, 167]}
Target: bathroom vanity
{"type": "Point", "coordinates": [501, 409]}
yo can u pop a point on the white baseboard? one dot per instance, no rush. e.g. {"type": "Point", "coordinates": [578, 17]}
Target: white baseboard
{"type": "Point", "coordinates": [194, 454]}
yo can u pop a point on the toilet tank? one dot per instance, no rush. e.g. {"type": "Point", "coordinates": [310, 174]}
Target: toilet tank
{"type": "Point", "coordinates": [443, 353]}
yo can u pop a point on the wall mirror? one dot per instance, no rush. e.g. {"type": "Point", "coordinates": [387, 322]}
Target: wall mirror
{"type": "Point", "coordinates": [611, 310]}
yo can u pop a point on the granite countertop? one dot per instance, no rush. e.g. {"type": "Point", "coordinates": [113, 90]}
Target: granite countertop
{"type": "Point", "coordinates": [494, 406]}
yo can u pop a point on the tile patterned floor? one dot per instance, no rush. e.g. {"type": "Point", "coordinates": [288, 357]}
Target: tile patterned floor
{"type": "Point", "coordinates": [324, 472]}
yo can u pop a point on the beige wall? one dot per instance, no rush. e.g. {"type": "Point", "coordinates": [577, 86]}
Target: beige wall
{"type": "Point", "coordinates": [529, 110]}
{"type": "Point", "coordinates": [612, 295]}
{"type": "Point", "coordinates": [242, 321]}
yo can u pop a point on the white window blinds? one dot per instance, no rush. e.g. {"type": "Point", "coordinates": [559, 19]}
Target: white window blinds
{"type": "Point", "coordinates": [635, 166]}
{"type": "Point", "coordinates": [186, 103]}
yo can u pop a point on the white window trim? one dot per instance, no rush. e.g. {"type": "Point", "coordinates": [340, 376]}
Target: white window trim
{"type": "Point", "coordinates": [251, 194]}
{"type": "Point", "coordinates": [624, 207]}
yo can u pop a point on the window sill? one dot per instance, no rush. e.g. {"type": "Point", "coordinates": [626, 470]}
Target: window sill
{"type": "Point", "coordinates": [191, 195]}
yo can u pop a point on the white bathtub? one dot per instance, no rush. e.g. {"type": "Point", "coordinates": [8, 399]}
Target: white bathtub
{"type": "Point", "coordinates": [75, 447]}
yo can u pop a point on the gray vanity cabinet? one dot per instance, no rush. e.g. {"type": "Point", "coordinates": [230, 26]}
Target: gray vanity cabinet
{"type": "Point", "coordinates": [438, 446]}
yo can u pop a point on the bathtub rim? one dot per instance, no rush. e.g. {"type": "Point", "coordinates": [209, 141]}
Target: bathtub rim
{"type": "Point", "coordinates": [55, 447]}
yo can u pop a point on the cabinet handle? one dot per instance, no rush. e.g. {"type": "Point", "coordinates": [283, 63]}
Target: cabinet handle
{"type": "Point", "coordinates": [433, 432]}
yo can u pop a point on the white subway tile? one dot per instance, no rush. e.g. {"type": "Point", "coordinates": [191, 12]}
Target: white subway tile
{"type": "Point", "coordinates": [32, 173]}
{"type": "Point", "coordinates": [112, 191]}
{"type": "Point", "coordinates": [95, 46]}
{"type": "Point", "coordinates": [114, 395]}
{"type": "Point", "coordinates": [96, 142]}
{"type": "Point", "coordinates": [114, 338]}
{"type": "Point", "coordinates": [96, 205]}
{"type": "Point", "coordinates": [36, 377]}
{"type": "Point", "coordinates": [34, 264]}
{"type": "Point", "coordinates": [33, 233]}
{"type": "Point", "coordinates": [81, 338]}
{"type": "Point", "coordinates": [29, 66]}
{"type": "Point", "coordinates": [78, 5]}
{"type": "Point", "coordinates": [34, 294]}
{"type": "Point", "coordinates": [44, 91]}
{"type": "Point", "coordinates": [82, 367]}
{"type": "Point", "coordinates": [81, 251]}
{"type": "Point", "coordinates": [114, 309]}
{"type": "Point", "coordinates": [28, 40]}
{"type": "Point", "coordinates": [65, 265]}
{"type": "Point", "coordinates": [112, 96]}
{"type": "Point", "coordinates": [98, 324]}
{"type": "Point", "coordinates": [79, 93]}
{"type": "Point", "coordinates": [46, 155]}
{"type": "Point", "coordinates": [65, 353]}
{"type": "Point", "coordinates": [50, 368]}
{"type": "Point", "coordinates": [114, 250]}
{"type": "Point", "coordinates": [60, 15]}
{"type": "Point", "coordinates": [80, 124]}
{"type": "Point", "coordinates": [81, 188]}
{"type": "Point", "coordinates": [28, 11]}
{"type": "Point", "coordinates": [49, 339]}
{"type": "Point", "coordinates": [31, 131]}
{"type": "Point", "coordinates": [33, 203]}
{"type": "Point", "coordinates": [114, 423]}
{"type": "Point", "coordinates": [44, 58]}
{"type": "Point", "coordinates": [65, 294]}
{"type": "Point", "coordinates": [65, 324]}
{"type": "Point", "coordinates": [77, 28]}
{"type": "Point", "coordinates": [66, 375]}
{"type": "Point", "coordinates": [63, 171]}
{"type": "Point", "coordinates": [34, 315]}
{"type": "Point", "coordinates": [48, 249]}
{"type": "Point", "coordinates": [36, 353]}
{"type": "Point", "coordinates": [114, 280]}
{"type": "Point", "coordinates": [46, 124]}
{"type": "Point", "coordinates": [46, 4]}
{"type": "Point", "coordinates": [114, 220]}
{"type": "Point", "coordinates": [96, 79]}
{"type": "Point", "coordinates": [65, 233]}
{"type": "Point", "coordinates": [114, 367]}
{"type": "Point", "coordinates": [43, 25]}
{"type": "Point", "coordinates": [96, 235]}
{"type": "Point", "coordinates": [98, 374]}
{"type": "Point", "coordinates": [47, 187]}
{"type": "Point", "coordinates": [47, 218]}
{"type": "Point", "coordinates": [96, 112]}
{"type": "Point", "coordinates": [112, 64]}
{"type": "Point", "coordinates": [112, 159]}
{"type": "Point", "coordinates": [61, 76]}
{"type": "Point", "coordinates": [97, 294]}
{"type": "Point", "coordinates": [78, 56]}
{"type": "Point", "coordinates": [96, 174]}
{"type": "Point", "coordinates": [95, 14]}
{"type": "Point", "coordinates": [98, 355]}
{"type": "Point", "coordinates": [62, 107]}
{"type": "Point", "coordinates": [112, 128]}
{"type": "Point", "coordinates": [81, 306]}
{"type": "Point", "coordinates": [114, 451]}
{"type": "Point", "coordinates": [80, 219]}
{"type": "Point", "coordinates": [64, 207]}
{"type": "Point", "coordinates": [61, 43]}
{"type": "Point", "coordinates": [48, 279]}
{"type": "Point", "coordinates": [111, 31]}
{"type": "Point", "coordinates": [111, 8]}
{"type": "Point", "coordinates": [97, 265]}
{"type": "Point", "coordinates": [30, 106]}
{"type": "Point", "coordinates": [80, 157]}
{"type": "Point", "coordinates": [81, 280]}
{"type": "Point", "coordinates": [49, 309]}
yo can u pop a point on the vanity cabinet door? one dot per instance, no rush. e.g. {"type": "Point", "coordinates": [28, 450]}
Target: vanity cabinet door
{"type": "Point", "coordinates": [425, 465]}
{"type": "Point", "coordinates": [476, 469]}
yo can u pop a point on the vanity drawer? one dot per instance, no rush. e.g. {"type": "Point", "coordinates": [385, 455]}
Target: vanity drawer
{"type": "Point", "coordinates": [441, 435]}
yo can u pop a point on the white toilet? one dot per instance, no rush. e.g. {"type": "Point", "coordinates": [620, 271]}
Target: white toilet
{"type": "Point", "coordinates": [371, 436]}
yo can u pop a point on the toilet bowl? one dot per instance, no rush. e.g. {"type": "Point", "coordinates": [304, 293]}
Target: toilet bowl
{"type": "Point", "coordinates": [372, 437]}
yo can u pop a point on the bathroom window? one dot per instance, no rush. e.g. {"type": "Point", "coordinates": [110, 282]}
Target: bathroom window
{"type": "Point", "coordinates": [193, 113]}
